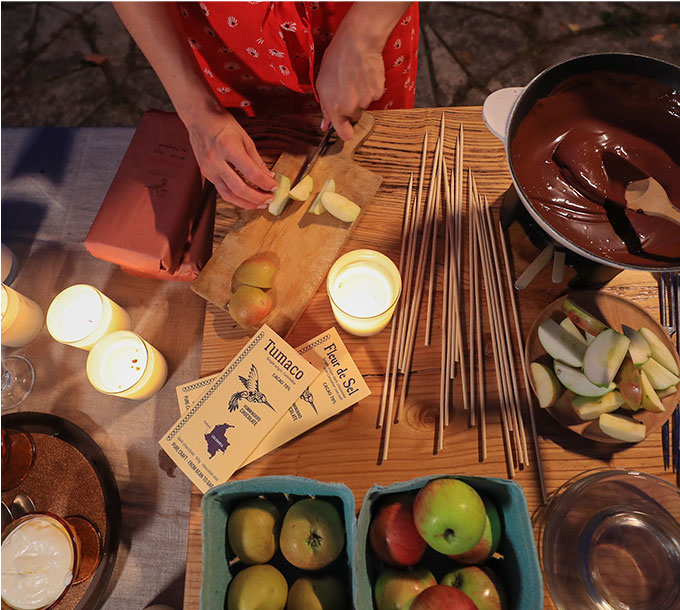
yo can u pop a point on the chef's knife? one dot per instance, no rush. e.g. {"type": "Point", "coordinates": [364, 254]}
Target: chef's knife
{"type": "Point", "coordinates": [320, 150]}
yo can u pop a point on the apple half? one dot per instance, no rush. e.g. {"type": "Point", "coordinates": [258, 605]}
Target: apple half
{"type": "Point", "coordinates": [582, 318]}
{"type": "Point", "coordinates": [548, 388]}
{"type": "Point", "coordinates": [573, 379]}
{"type": "Point", "coordinates": [588, 408]}
{"type": "Point", "coordinates": [639, 348]}
{"type": "Point", "coordinates": [604, 356]}
{"type": "Point", "coordinates": [660, 352]}
{"type": "Point", "coordinates": [560, 344]}
{"type": "Point", "coordinates": [622, 428]}
{"type": "Point", "coordinates": [660, 377]}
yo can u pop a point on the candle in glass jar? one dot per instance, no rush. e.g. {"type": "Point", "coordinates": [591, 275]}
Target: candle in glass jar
{"type": "Point", "coordinates": [80, 315]}
{"type": "Point", "coordinates": [123, 364]}
{"type": "Point", "coordinates": [22, 318]}
{"type": "Point", "coordinates": [363, 286]}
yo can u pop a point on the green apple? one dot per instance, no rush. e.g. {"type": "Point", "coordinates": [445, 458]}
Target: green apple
{"type": "Point", "coordinates": [629, 384]}
{"type": "Point", "coordinates": [280, 199]}
{"type": "Point", "coordinates": [312, 534]}
{"type": "Point", "coordinates": [604, 356]}
{"type": "Point", "coordinates": [573, 330]}
{"type": "Point", "coordinates": [318, 593]}
{"type": "Point", "coordinates": [548, 388]}
{"type": "Point", "coordinates": [249, 306]}
{"type": "Point", "coordinates": [303, 189]}
{"type": "Point", "coordinates": [560, 344]}
{"type": "Point", "coordinates": [482, 585]}
{"type": "Point", "coordinates": [582, 318]}
{"type": "Point", "coordinates": [253, 530]}
{"type": "Point", "coordinates": [340, 206]}
{"type": "Point", "coordinates": [491, 537]}
{"type": "Point", "coordinates": [317, 207]}
{"type": "Point", "coordinates": [395, 589]}
{"type": "Point", "coordinates": [639, 348]}
{"type": "Point", "coordinates": [591, 408]}
{"type": "Point", "coordinates": [443, 597]}
{"type": "Point", "coordinates": [260, 587]}
{"type": "Point", "coordinates": [660, 377]}
{"type": "Point", "coordinates": [258, 271]}
{"type": "Point", "coordinates": [449, 515]}
{"type": "Point", "coordinates": [574, 380]}
{"type": "Point", "coordinates": [622, 428]}
{"type": "Point", "coordinates": [650, 400]}
{"type": "Point", "coordinates": [660, 352]}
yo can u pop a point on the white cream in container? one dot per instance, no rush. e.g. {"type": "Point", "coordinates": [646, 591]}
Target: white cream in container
{"type": "Point", "coordinates": [38, 558]}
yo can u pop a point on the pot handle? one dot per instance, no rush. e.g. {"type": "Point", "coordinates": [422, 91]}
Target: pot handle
{"type": "Point", "coordinates": [497, 108]}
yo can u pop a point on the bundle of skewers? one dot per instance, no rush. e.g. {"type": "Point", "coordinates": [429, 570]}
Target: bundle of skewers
{"type": "Point", "coordinates": [438, 213]}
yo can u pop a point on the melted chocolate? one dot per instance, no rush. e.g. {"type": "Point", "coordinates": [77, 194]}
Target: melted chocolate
{"type": "Point", "coordinates": [578, 149]}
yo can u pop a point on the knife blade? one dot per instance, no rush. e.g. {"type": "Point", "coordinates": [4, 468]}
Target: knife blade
{"type": "Point", "coordinates": [323, 146]}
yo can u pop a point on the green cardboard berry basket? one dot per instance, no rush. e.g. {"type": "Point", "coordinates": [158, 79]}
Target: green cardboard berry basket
{"type": "Point", "coordinates": [519, 568]}
{"type": "Point", "coordinates": [216, 505]}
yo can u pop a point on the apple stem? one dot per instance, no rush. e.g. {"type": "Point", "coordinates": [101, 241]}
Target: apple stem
{"type": "Point", "coordinates": [314, 541]}
{"type": "Point", "coordinates": [449, 534]}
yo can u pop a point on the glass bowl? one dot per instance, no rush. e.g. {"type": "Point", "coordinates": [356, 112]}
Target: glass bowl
{"type": "Point", "coordinates": [610, 540]}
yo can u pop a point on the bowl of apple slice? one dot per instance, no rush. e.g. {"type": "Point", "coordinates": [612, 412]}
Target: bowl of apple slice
{"type": "Point", "coordinates": [603, 367]}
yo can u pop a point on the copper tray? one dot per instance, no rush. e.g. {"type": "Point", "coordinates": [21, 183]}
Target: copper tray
{"type": "Point", "coordinates": [49, 425]}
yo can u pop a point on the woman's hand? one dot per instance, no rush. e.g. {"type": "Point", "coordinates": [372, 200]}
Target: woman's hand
{"type": "Point", "coordinates": [226, 154]}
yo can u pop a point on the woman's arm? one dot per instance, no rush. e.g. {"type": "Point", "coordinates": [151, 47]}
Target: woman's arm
{"type": "Point", "coordinates": [220, 144]}
{"type": "Point", "coordinates": [352, 72]}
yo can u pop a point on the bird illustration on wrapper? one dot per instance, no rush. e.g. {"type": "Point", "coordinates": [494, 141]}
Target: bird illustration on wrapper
{"type": "Point", "coordinates": [251, 393]}
{"type": "Point", "coordinates": [307, 396]}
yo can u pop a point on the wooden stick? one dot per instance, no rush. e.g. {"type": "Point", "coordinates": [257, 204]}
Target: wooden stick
{"type": "Point", "coordinates": [415, 303]}
{"type": "Point", "coordinates": [402, 252]}
{"type": "Point", "coordinates": [453, 336]}
{"type": "Point", "coordinates": [444, 385]}
{"type": "Point", "coordinates": [507, 337]}
{"type": "Point", "coordinates": [473, 304]}
{"type": "Point", "coordinates": [535, 267]}
{"type": "Point", "coordinates": [492, 324]}
{"type": "Point", "coordinates": [407, 286]}
{"type": "Point", "coordinates": [458, 206]}
{"type": "Point", "coordinates": [525, 373]}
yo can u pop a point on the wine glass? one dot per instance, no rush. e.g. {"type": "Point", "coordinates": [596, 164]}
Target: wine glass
{"type": "Point", "coordinates": [17, 381]}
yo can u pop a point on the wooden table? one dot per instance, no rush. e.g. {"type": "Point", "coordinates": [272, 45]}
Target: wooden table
{"type": "Point", "coordinates": [346, 449]}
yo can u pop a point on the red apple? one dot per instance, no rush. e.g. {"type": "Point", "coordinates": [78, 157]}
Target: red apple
{"type": "Point", "coordinates": [396, 589]}
{"type": "Point", "coordinates": [442, 597]}
{"type": "Point", "coordinates": [482, 585]}
{"type": "Point", "coordinates": [393, 535]}
{"type": "Point", "coordinates": [490, 538]}
{"type": "Point", "coordinates": [449, 515]}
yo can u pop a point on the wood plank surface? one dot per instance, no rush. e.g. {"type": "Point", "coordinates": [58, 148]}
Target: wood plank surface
{"type": "Point", "coordinates": [295, 239]}
{"type": "Point", "coordinates": [347, 448]}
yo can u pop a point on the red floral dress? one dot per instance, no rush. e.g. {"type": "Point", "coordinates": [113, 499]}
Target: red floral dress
{"type": "Point", "coordinates": [262, 57]}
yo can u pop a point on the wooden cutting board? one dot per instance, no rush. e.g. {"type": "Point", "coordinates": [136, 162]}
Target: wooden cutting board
{"type": "Point", "coordinates": [304, 245]}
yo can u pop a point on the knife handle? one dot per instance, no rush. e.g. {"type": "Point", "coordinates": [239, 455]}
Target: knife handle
{"type": "Point", "coordinates": [362, 129]}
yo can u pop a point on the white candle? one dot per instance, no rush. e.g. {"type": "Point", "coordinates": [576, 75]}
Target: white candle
{"type": "Point", "coordinates": [22, 318]}
{"type": "Point", "coordinates": [81, 315]}
{"type": "Point", "coordinates": [363, 286]}
{"type": "Point", "coordinates": [123, 364]}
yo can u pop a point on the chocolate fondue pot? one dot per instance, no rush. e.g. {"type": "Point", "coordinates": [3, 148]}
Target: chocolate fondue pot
{"type": "Point", "coordinates": [577, 135]}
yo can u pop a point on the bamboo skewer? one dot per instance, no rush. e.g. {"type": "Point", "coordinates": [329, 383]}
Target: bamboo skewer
{"type": "Point", "coordinates": [458, 206]}
{"type": "Point", "coordinates": [433, 255]}
{"type": "Point", "coordinates": [478, 343]}
{"type": "Point", "coordinates": [525, 375]}
{"type": "Point", "coordinates": [404, 233]}
{"type": "Point", "coordinates": [444, 386]}
{"type": "Point", "coordinates": [473, 304]}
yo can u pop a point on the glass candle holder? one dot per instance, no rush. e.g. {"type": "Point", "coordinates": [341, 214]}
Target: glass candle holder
{"type": "Point", "coordinates": [22, 318]}
{"type": "Point", "coordinates": [363, 287]}
{"type": "Point", "coordinates": [123, 364]}
{"type": "Point", "coordinates": [80, 316]}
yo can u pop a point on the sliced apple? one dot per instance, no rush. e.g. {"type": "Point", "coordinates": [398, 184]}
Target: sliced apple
{"type": "Point", "coordinates": [639, 348]}
{"type": "Point", "coordinates": [548, 389]}
{"type": "Point", "coordinates": [667, 392]}
{"type": "Point", "coordinates": [317, 207]}
{"type": "Point", "coordinates": [280, 199]}
{"type": "Point", "coordinates": [629, 384]}
{"type": "Point", "coordinates": [622, 428]}
{"type": "Point", "coordinates": [650, 400]}
{"type": "Point", "coordinates": [660, 352]}
{"type": "Point", "coordinates": [591, 408]}
{"type": "Point", "coordinates": [303, 189]}
{"type": "Point", "coordinates": [604, 356]}
{"type": "Point", "coordinates": [340, 206]}
{"type": "Point", "coordinates": [573, 379]}
{"type": "Point", "coordinates": [571, 328]}
{"type": "Point", "coordinates": [560, 344]}
{"type": "Point", "coordinates": [659, 376]}
{"type": "Point", "coordinates": [589, 337]}
{"type": "Point", "coordinates": [582, 318]}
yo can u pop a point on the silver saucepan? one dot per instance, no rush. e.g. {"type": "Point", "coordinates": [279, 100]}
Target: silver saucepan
{"type": "Point", "coordinates": [504, 111]}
